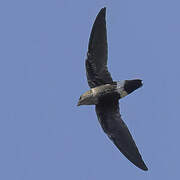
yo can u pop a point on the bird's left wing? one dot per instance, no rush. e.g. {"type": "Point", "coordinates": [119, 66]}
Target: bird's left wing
{"type": "Point", "coordinates": [96, 62]}
{"type": "Point", "coordinates": [112, 124]}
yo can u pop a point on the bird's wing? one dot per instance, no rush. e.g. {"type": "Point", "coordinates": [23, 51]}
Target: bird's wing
{"type": "Point", "coordinates": [96, 62]}
{"type": "Point", "coordinates": [112, 124]}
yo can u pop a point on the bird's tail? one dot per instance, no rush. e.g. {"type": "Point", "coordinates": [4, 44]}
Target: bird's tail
{"type": "Point", "coordinates": [131, 85]}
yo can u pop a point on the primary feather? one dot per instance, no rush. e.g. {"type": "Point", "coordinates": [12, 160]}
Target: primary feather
{"type": "Point", "coordinates": [107, 105]}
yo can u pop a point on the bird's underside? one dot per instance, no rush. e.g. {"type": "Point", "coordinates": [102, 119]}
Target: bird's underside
{"type": "Point", "coordinates": [107, 109]}
{"type": "Point", "coordinates": [110, 119]}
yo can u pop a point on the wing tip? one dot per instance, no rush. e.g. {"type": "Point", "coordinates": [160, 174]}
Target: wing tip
{"type": "Point", "coordinates": [138, 161]}
{"type": "Point", "coordinates": [102, 13]}
{"type": "Point", "coordinates": [104, 8]}
{"type": "Point", "coordinates": [143, 166]}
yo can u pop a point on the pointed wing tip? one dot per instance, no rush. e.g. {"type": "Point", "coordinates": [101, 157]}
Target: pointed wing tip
{"type": "Point", "coordinates": [142, 166]}
{"type": "Point", "coordinates": [138, 161]}
{"type": "Point", "coordinates": [102, 11]}
{"type": "Point", "coordinates": [145, 169]}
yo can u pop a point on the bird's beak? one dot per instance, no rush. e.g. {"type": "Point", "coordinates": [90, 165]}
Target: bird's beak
{"type": "Point", "coordinates": [78, 104]}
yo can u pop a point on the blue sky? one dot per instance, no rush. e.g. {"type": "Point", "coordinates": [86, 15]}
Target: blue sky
{"type": "Point", "coordinates": [43, 45]}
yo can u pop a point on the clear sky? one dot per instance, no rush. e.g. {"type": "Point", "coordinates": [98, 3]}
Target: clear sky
{"type": "Point", "coordinates": [43, 45]}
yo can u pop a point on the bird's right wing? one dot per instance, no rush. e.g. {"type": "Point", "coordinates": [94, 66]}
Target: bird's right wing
{"type": "Point", "coordinates": [96, 62]}
{"type": "Point", "coordinates": [112, 124]}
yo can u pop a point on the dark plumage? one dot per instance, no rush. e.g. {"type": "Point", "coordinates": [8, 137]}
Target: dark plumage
{"type": "Point", "coordinates": [96, 63]}
{"type": "Point", "coordinates": [105, 93]}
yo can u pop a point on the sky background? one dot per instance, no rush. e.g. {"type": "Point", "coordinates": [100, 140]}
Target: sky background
{"type": "Point", "coordinates": [43, 45]}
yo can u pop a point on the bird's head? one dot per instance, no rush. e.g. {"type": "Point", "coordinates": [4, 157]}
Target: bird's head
{"type": "Point", "coordinates": [86, 99]}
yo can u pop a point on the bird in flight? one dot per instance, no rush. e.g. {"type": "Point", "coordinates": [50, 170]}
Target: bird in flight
{"type": "Point", "coordinates": [105, 93]}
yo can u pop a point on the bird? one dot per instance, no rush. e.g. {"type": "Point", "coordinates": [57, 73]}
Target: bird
{"type": "Point", "coordinates": [105, 93]}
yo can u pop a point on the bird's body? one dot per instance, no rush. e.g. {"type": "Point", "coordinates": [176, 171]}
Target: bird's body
{"type": "Point", "coordinates": [93, 96]}
{"type": "Point", "coordinates": [117, 90]}
{"type": "Point", "coordinates": [105, 93]}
